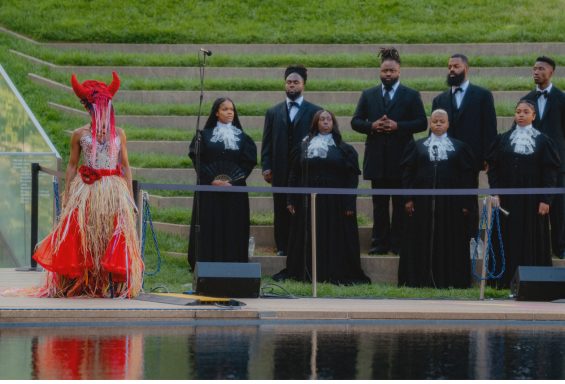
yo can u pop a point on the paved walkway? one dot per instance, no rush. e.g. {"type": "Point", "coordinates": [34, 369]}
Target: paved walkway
{"type": "Point", "coordinates": [34, 310]}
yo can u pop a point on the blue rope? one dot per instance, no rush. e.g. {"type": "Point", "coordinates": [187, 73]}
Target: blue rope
{"type": "Point", "coordinates": [147, 218]}
{"type": "Point", "coordinates": [489, 258]}
{"type": "Point", "coordinates": [57, 200]}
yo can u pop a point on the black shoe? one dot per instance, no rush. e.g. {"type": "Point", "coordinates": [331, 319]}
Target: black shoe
{"type": "Point", "coordinates": [378, 251]}
{"type": "Point", "coordinates": [394, 251]}
{"type": "Point", "coordinates": [281, 253]}
{"type": "Point", "coordinates": [280, 276]}
{"type": "Point", "coordinates": [561, 255]}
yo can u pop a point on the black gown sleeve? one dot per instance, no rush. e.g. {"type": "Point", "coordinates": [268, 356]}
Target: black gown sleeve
{"type": "Point", "coordinates": [192, 154]}
{"type": "Point", "coordinates": [248, 155]}
{"type": "Point", "coordinates": [550, 167]}
{"type": "Point", "coordinates": [353, 172]}
{"type": "Point", "coordinates": [492, 159]}
{"type": "Point", "coordinates": [467, 175]}
{"type": "Point", "coordinates": [409, 167]}
{"type": "Point", "coordinates": [295, 173]}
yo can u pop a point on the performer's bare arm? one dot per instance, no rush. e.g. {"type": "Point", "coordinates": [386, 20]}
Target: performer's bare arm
{"type": "Point", "coordinates": [74, 158]}
{"type": "Point", "coordinates": [124, 160]}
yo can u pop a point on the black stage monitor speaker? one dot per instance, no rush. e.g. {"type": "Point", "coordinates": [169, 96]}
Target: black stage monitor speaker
{"type": "Point", "coordinates": [538, 283]}
{"type": "Point", "coordinates": [227, 279]}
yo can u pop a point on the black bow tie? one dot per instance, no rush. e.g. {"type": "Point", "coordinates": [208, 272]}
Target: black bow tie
{"type": "Point", "coordinates": [458, 89]}
{"type": "Point", "coordinates": [293, 104]}
{"type": "Point", "coordinates": [542, 93]}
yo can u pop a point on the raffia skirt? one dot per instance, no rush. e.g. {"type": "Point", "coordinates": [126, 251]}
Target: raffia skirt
{"type": "Point", "coordinates": [93, 251]}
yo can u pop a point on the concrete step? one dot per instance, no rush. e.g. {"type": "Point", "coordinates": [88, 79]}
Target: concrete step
{"type": "Point", "coordinates": [263, 234]}
{"type": "Point", "coordinates": [188, 176]}
{"type": "Point", "coordinates": [192, 97]}
{"type": "Point", "coordinates": [499, 49]}
{"type": "Point", "coordinates": [180, 148]}
{"type": "Point", "coordinates": [257, 204]}
{"type": "Point", "coordinates": [189, 122]}
{"type": "Point", "coordinates": [369, 74]}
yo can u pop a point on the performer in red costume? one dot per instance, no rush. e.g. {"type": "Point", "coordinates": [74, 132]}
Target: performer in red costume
{"type": "Point", "coordinates": [93, 250]}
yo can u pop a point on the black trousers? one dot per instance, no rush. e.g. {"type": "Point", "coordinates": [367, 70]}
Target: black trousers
{"type": "Point", "coordinates": [387, 233]}
{"type": "Point", "coordinates": [281, 221]}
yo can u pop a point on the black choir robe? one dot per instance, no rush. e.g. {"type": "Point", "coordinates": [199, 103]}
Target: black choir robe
{"type": "Point", "coordinates": [224, 217]}
{"type": "Point", "coordinates": [525, 234]}
{"type": "Point", "coordinates": [449, 264]}
{"type": "Point", "coordinates": [337, 235]}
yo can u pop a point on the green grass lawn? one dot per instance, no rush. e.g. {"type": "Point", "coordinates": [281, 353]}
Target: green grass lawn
{"type": "Point", "coordinates": [335, 21]}
{"type": "Point", "coordinates": [175, 276]}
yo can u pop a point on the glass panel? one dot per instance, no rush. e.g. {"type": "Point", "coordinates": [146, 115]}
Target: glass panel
{"type": "Point", "coordinates": [22, 142]}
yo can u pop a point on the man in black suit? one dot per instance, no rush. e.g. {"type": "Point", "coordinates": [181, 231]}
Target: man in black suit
{"type": "Point", "coordinates": [472, 118]}
{"type": "Point", "coordinates": [286, 124]}
{"type": "Point", "coordinates": [550, 119]}
{"type": "Point", "coordinates": [389, 114]}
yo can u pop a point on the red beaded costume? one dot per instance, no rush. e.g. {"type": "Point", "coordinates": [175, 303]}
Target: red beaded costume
{"type": "Point", "coordinates": [93, 250]}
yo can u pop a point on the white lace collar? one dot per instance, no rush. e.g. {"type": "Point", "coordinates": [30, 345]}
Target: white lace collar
{"type": "Point", "coordinates": [227, 134]}
{"type": "Point", "coordinates": [319, 146]}
{"type": "Point", "coordinates": [523, 139]}
{"type": "Point", "coordinates": [438, 146]}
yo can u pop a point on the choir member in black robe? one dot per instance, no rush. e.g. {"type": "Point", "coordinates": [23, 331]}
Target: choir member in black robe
{"type": "Point", "coordinates": [523, 158]}
{"type": "Point", "coordinates": [323, 160]}
{"type": "Point", "coordinates": [227, 157]}
{"type": "Point", "coordinates": [435, 248]}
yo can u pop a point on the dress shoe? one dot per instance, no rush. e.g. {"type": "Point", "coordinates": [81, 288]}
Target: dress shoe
{"type": "Point", "coordinates": [378, 251]}
{"type": "Point", "coordinates": [281, 276]}
{"type": "Point", "coordinates": [281, 253]}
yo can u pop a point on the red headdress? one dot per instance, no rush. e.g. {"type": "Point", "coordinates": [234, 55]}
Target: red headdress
{"type": "Point", "coordinates": [97, 99]}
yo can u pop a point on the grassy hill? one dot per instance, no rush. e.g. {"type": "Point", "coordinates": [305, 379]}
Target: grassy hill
{"type": "Point", "coordinates": [291, 21]}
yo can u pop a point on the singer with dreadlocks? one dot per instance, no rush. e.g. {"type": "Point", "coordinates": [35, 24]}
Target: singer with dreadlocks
{"type": "Point", "coordinates": [93, 250]}
{"type": "Point", "coordinates": [389, 114]}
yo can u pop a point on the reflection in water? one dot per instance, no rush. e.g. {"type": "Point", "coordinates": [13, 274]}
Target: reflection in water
{"type": "Point", "coordinates": [279, 350]}
{"type": "Point", "coordinates": [87, 357]}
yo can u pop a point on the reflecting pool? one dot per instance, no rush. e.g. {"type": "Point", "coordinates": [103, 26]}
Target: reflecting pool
{"type": "Point", "coordinates": [285, 350]}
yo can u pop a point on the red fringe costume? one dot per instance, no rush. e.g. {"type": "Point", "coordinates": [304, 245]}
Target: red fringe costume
{"type": "Point", "coordinates": [94, 251]}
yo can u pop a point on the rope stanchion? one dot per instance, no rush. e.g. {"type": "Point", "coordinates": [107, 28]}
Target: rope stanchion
{"type": "Point", "coordinates": [489, 216]}
{"type": "Point", "coordinates": [147, 218]}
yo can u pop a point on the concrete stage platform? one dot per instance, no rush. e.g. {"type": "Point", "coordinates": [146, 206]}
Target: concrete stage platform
{"type": "Point", "coordinates": [19, 310]}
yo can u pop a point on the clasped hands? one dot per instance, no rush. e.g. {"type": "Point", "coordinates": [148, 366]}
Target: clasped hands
{"type": "Point", "coordinates": [385, 125]}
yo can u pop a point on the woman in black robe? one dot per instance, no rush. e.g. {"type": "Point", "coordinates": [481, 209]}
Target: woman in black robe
{"type": "Point", "coordinates": [227, 157]}
{"type": "Point", "coordinates": [523, 158]}
{"type": "Point", "coordinates": [435, 246]}
{"type": "Point", "coordinates": [324, 161]}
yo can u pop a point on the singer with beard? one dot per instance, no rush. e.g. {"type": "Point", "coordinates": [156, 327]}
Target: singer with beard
{"type": "Point", "coordinates": [435, 246]}
{"type": "Point", "coordinates": [286, 124]}
{"type": "Point", "coordinates": [549, 102]}
{"type": "Point", "coordinates": [472, 118]}
{"type": "Point", "coordinates": [389, 114]}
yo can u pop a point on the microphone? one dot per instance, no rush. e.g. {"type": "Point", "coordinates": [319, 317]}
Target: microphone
{"type": "Point", "coordinates": [207, 52]}
{"type": "Point", "coordinates": [435, 152]}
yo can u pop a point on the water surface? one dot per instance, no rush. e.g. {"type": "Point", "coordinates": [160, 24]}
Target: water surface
{"type": "Point", "coordinates": [285, 350]}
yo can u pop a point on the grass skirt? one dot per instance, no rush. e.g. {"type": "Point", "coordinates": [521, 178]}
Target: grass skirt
{"type": "Point", "coordinates": [93, 251]}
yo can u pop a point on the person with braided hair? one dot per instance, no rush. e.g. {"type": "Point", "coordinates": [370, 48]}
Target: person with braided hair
{"type": "Point", "coordinates": [94, 251]}
{"type": "Point", "coordinates": [389, 114]}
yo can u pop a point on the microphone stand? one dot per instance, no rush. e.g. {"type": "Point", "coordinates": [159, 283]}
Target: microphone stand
{"type": "Point", "coordinates": [432, 235]}
{"type": "Point", "coordinates": [197, 149]}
